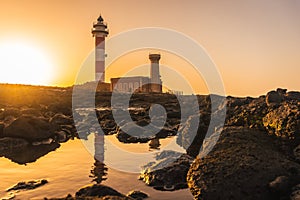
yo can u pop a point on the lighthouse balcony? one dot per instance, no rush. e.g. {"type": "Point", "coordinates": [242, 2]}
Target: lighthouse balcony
{"type": "Point", "coordinates": [96, 30]}
{"type": "Point", "coordinates": [100, 24]}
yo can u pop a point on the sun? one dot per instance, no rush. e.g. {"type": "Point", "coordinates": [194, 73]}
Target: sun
{"type": "Point", "coordinates": [23, 63]}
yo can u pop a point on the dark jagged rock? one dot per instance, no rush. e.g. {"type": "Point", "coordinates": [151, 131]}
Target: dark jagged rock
{"type": "Point", "coordinates": [132, 133]}
{"type": "Point", "coordinates": [61, 119]}
{"type": "Point", "coordinates": [108, 197]}
{"type": "Point", "coordinates": [284, 121]}
{"type": "Point", "coordinates": [63, 106]}
{"type": "Point", "coordinates": [280, 118]}
{"type": "Point", "coordinates": [295, 195]}
{"type": "Point", "coordinates": [30, 128]}
{"type": "Point", "coordinates": [280, 186]}
{"type": "Point", "coordinates": [126, 138]}
{"type": "Point", "coordinates": [249, 114]}
{"type": "Point", "coordinates": [1, 129]}
{"type": "Point", "coordinates": [62, 136]}
{"type": "Point", "coordinates": [14, 112]}
{"type": "Point", "coordinates": [97, 190]}
{"type": "Point", "coordinates": [241, 166]}
{"type": "Point", "coordinates": [11, 144]}
{"type": "Point", "coordinates": [274, 98]}
{"type": "Point", "coordinates": [137, 195]}
{"type": "Point", "coordinates": [168, 172]}
{"type": "Point", "coordinates": [293, 96]}
{"type": "Point", "coordinates": [30, 185]}
{"type": "Point", "coordinates": [31, 112]}
{"type": "Point", "coordinates": [188, 132]}
{"type": "Point", "coordinates": [296, 152]}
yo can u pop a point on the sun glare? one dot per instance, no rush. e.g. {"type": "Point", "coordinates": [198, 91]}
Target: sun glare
{"type": "Point", "coordinates": [24, 64]}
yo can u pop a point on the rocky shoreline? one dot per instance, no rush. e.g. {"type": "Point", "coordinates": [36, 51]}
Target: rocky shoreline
{"type": "Point", "coordinates": [256, 157]}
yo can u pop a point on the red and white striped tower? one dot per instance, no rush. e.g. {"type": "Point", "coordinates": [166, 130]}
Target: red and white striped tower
{"type": "Point", "coordinates": [100, 31]}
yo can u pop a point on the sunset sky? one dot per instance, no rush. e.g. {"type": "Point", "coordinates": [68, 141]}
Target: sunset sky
{"type": "Point", "coordinates": [254, 43]}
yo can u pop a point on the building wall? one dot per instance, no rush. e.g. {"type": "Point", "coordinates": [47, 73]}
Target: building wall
{"type": "Point", "coordinates": [130, 84]}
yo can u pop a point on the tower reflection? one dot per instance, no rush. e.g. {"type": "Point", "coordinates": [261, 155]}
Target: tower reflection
{"type": "Point", "coordinates": [99, 169]}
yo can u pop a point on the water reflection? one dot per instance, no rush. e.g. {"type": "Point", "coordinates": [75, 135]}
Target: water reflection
{"type": "Point", "coordinates": [98, 172]}
{"type": "Point", "coordinates": [29, 153]}
{"type": "Point", "coordinates": [154, 144]}
{"type": "Point", "coordinates": [99, 169]}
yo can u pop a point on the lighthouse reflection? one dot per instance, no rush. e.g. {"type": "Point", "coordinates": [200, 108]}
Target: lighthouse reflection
{"type": "Point", "coordinates": [99, 169]}
{"type": "Point", "coordinates": [154, 144]}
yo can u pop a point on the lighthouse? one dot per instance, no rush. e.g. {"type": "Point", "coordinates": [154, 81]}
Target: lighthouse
{"type": "Point", "coordinates": [100, 31]}
{"type": "Point", "coordinates": [156, 84]}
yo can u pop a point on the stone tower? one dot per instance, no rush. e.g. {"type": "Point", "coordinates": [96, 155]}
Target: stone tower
{"type": "Point", "coordinates": [156, 83]}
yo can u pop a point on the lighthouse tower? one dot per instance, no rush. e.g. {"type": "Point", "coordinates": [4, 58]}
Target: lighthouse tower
{"type": "Point", "coordinates": [156, 84]}
{"type": "Point", "coordinates": [100, 31]}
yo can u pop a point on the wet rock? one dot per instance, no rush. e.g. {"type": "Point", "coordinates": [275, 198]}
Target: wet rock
{"type": "Point", "coordinates": [108, 197]}
{"type": "Point", "coordinates": [241, 166]}
{"type": "Point", "coordinates": [132, 133]}
{"type": "Point", "coordinates": [44, 141]}
{"type": "Point", "coordinates": [115, 198]}
{"type": "Point", "coordinates": [295, 194]}
{"type": "Point", "coordinates": [108, 126]}
{"type": "Point", "coordinates": [61, 119]}
{"type": "Point", "coordinates": [10, 144]}
{"type": "Point", "coordinates": [29, 128]}
{"type": "Point", "coordinates": [137, 195]}
{"type": "Point", "coordinates": [168, 172]}
{"type": "Point", "coordinates": [30, 185]}
{"type": "Point", "coordinates": [61, 136]}
{"type": "Point", "coordinates": [97, 190]}
{"type": "Point", "coordinates": [126, 138]}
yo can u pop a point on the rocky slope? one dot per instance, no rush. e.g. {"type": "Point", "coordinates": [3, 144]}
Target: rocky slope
{"type": "Point", "coordinates": [256, 157]}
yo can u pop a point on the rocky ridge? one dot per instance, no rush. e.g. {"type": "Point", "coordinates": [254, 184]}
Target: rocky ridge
{"type": "Point", "coordinates": [256, 157]}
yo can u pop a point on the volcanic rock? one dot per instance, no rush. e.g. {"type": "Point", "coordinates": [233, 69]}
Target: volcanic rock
{"type": "Point", "coordinates": [241, 166]}
{"type": "Point", "coordinates": [29, 128]}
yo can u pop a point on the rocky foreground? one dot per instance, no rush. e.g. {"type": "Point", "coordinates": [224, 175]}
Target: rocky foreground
{"type": "Point", "coordinates": [256, 157]}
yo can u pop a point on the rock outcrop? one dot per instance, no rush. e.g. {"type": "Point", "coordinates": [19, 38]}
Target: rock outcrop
{"type": "Point", "coordinates": [242, 166]}
{"type": "Point", "coordinates": [138, 195]}
{"type": "Point", "coordinates": [29, 185]}
{"type": "Point", "coordinates": [102, 192]}
{"type": "Point", "coordinates": [30, 128]}
{"type": "Point", "coordinates": [97, 190]}
{"type": "Point", "coordinates": [10, 144]}
{"type": "Point", "coordinates": [284, 121]}
{"type": "Point", "coordinates": [168, 172]}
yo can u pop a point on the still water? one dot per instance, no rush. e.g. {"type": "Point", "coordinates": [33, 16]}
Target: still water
{"type": "Point", "coordinates": [68, 168]}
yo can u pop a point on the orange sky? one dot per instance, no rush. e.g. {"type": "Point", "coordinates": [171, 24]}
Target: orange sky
{"type": "Point", "coordinates": [254, 43]}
